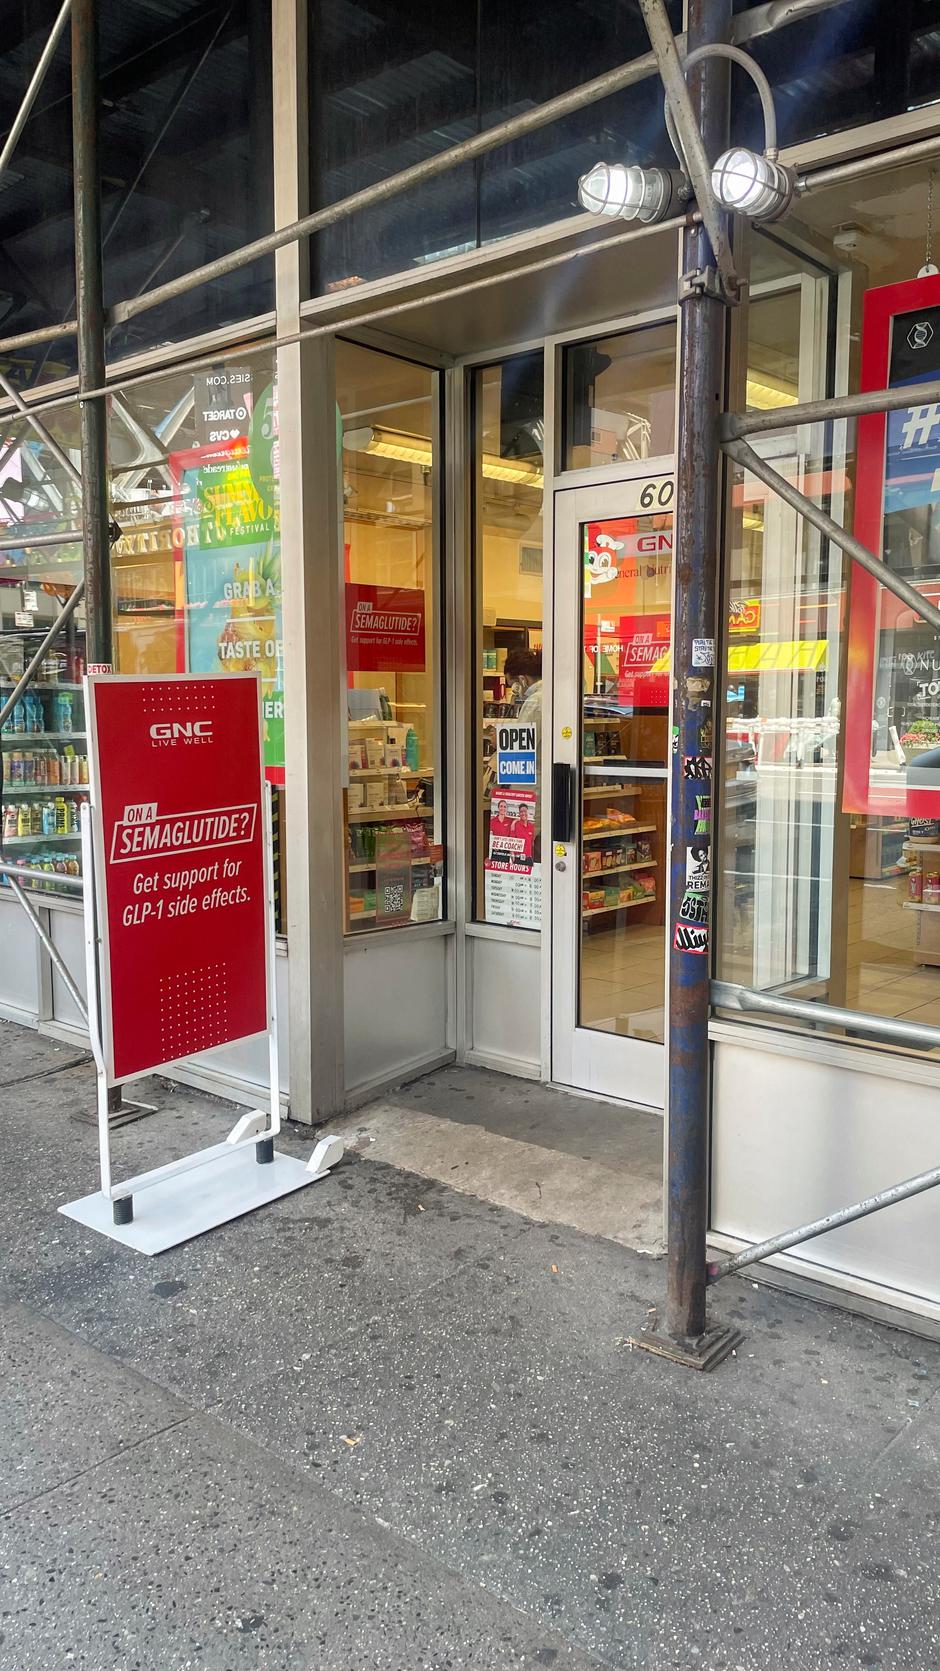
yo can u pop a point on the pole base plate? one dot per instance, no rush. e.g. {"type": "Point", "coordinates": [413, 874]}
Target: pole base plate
{"type": "Point", "coordinates": [706, 1351]}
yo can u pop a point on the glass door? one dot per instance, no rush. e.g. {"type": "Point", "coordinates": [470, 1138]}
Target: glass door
{"type": "Point", "coordinates": [610, 773]}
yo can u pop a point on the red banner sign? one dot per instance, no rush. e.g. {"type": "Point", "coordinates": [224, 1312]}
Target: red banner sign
{"type": "Point", "coordinates": [892, 706]}
{"type": "Point", "coordinates": [176, 779]}
{"type": "Point", "coordinates": [384, 629]}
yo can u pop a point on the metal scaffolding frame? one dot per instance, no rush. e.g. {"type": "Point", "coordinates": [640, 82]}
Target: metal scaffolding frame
{"type": "Point", "coordinates": [762, 20]}
{"type": "Point", "coordinates": [705, 243]}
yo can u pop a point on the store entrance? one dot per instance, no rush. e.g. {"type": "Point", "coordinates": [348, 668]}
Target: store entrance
{"type": "Point", "coordinates": [610, 773]}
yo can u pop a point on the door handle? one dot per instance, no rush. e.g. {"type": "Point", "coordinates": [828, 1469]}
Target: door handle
{"type": "Point", "coordinates": [563, 795]}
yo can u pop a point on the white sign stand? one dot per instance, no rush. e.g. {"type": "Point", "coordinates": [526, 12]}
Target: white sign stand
{"type": "Point", "coordinates": [160, 1209]}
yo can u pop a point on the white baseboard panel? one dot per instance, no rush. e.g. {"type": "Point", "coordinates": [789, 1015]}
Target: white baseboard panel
{"type": "Point", "coordinates": [66, 1032]}
{"type": "Point", "coordinates": [829, 1277]}
{"type": "Point", "coordinates": [369, 1089]}
{"type": "Point", "coordinates": [217, 1083]}
{"type": "Point", "coordinates": [20, 1017]}
{"type": "Point", "coordinates": [496, 1063]}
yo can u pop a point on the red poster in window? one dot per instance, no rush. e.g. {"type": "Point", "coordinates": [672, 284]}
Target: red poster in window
{"type": "Point", "coordinates": [631, 653]}
{"type": "Point", "coordinates": [384, 629]}
{"type": "Point", "coordinates": [892, 709]}
{"type": "Point", "coordinates": [176, 784]}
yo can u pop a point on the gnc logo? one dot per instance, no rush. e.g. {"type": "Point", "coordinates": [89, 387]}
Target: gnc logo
{"type": "Point", "coordinates": [167, 733]}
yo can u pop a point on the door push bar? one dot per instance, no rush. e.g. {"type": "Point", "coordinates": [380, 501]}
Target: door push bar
{"type": "Point", "coordinates": [563, 801]}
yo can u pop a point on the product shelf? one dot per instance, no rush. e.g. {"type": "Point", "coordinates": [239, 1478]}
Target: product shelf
{"type": "Point", "coordinates": [361, 774]}
{"type": "Point", "coordinates": [357, 869]}
{"type": "Point", "coordinates": [918, 905]}
{"type": "Point", "coordinates": [29, 739]}
{"type": "Point", "coordinates": [626, 905]}
{"type": "Point", "coordinates": [626, 830]}
{"type": "Point", "coordinates": [612, 870]}
{"type": "Point", "coordinates": [12, 791]}
{"type": "Point", "coordinates": [37, 685]}
{"type": "Point", "coordinates": [377, 815]}
{"type": "Point", "coordinates": [31, 840]}
{"type": "Point", "coordinates": [609, 790]}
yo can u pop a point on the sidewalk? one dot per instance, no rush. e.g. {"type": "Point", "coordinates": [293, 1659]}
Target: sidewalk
{"type": "Point", "coordinates": [385, 1426]}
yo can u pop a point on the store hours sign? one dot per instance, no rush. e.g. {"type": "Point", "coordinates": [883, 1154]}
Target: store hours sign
{"type": "Point", "coordinates": [176, 787]}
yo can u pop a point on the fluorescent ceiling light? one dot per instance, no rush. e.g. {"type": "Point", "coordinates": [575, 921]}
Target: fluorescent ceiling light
{"type": "Point", "coordinates": [765, 395]}
{"type": "Point", "coordinates": [416, 449]}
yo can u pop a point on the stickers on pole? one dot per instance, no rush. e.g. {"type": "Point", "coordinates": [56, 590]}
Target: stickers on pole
{"type": "Point", "coordinates": [703, 652]}
{"type": "Point", "coordinates": [691, 932]}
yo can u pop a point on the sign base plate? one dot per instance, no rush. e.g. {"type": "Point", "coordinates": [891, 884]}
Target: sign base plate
{"type": "Point", "coordinates": [187, 1204]}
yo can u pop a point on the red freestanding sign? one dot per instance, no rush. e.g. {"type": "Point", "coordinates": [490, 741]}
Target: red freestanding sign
{"type": "Point", "coordinates": [176, 785]}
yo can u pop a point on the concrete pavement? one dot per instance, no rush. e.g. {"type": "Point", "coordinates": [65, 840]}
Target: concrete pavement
{"type": "Point", "coordinates": [385, 1424]}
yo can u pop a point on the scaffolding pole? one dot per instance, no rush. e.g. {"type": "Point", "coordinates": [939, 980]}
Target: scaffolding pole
{"type": "Point", "coordinates": [703, 309]}
{"type": "Point", "coordinates": [91, 357]}
{"type": "Point", "coordinates": [819, 1226]}
{"type": "Point", "coordinates": [36, 80]}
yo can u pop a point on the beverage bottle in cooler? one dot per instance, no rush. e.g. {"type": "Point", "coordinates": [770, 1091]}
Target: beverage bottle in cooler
{"type": "Point", "coordinates": [61, 815]}
{"type": "Point", "coordinates": [10, 821]}
{"type": "Point", "coordinates": [19, 716]}
{"type": "Point", "coordinates": [62, 711]}
{"type": "Point", "coordinates": [35, 818]}
{"type": "Point", "coordinates": [48, 818]}
{"type": "Point", "coordinates": [22, 819]}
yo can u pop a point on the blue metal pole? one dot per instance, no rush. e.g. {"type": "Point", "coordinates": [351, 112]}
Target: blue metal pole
{"type": "Point", "coordinates": [695, 715]}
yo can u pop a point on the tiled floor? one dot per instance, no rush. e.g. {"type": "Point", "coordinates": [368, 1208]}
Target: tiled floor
{"type": "Point", "coordinates": [884, 976]}
{"type": "Point", "coordinates": [623, 967]}
{"type": "Point", "coordinates": [622, 979]}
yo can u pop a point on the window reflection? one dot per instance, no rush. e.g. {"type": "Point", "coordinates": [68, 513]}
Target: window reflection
{"type": "Point", "coordinates": [620, 398]}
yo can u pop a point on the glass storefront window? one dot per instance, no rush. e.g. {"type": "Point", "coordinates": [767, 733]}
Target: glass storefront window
{"type": "Point", "coordinates": [830, 846]}
{"type": "Point", "coordinates": [394, 827]}
{"type": "Point", "coordinates": [620, 398]}
{"type": "Point", "coordinates": [43, 744]}
{"type": "Point", "coordinates": [196, 577]}
{"type": "Point", "coordinates": [507, 406]}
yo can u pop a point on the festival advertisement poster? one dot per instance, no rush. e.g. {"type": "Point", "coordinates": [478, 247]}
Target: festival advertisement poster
{"type": "Point", "coordinates": [230, 584]}
{"type": "Point", "coordinates": [512, 872]}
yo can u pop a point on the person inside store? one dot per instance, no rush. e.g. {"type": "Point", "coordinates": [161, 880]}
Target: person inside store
{"type": "Point", "coordinates": [523, 674]}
